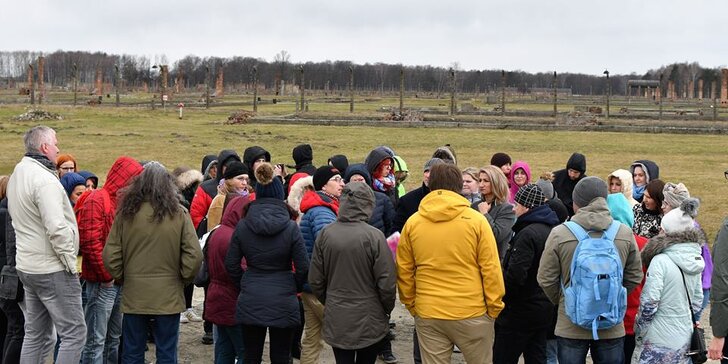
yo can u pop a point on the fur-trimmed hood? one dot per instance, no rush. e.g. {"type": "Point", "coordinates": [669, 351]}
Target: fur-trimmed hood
{"type": "Point", "coordinates": [295, 195]}
{"type": "Point", "coordinates": [188, 178]}
{"type": "Point", "coordinates": [682, 247]}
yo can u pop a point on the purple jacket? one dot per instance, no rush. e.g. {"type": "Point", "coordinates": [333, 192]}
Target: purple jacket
{"type": "Point", "coordinates": [708, 270]}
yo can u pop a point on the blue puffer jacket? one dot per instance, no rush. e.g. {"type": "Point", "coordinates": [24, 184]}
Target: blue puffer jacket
{"type": "Point", "coordinates": [318, 210]}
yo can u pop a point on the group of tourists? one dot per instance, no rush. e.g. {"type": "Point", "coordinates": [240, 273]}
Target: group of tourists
{"type": "Point", "coordinates": [493, 262]}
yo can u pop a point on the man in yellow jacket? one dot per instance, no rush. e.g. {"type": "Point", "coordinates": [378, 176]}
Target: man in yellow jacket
{"type": "Point", "coordinates": [448, 273]}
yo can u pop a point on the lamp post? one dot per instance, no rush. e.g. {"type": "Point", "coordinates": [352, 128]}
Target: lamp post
{"type": "Point", "coordinates": [153, 76]}
{"type": "Point", "coordinates": [609, 90]}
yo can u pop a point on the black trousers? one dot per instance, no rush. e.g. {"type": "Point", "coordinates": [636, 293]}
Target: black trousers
{"type": "Point", "coordinates": [629, 345]}
{"type": "Point", "coordinates": [13, 341]}
{"type": "Point", "coordinates": [280, 344]}
{"type": "Point", "coordinates": [510, 343]}
{"type": "Point", "coordinates": [367, 355]}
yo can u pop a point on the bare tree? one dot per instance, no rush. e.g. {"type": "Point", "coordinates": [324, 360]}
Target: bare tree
{"type": "Point", "coordinates": [281, 61]}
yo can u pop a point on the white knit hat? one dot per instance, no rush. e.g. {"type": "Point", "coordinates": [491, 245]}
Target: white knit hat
{"type": "Point", "coordinates": [681, 219]}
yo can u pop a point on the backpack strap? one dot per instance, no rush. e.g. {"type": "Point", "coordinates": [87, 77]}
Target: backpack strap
{"type": "Point", "coordinates": [577, 230]}
{"type": "Point", "coordinates": [611, 233]}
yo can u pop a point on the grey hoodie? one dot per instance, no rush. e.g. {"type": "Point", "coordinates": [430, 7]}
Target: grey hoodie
{"type": "Point", "coordinates": [353, 273]}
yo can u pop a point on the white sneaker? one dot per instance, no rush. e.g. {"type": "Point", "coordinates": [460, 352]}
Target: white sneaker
{"type": "Point", "coordinates": [189, 316]}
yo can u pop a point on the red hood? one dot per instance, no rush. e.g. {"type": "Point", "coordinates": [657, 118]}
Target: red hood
{"type": "Point", "coordinates": [312, 199]}
{"type": "Point", "coordinates": [234, 211]}
{"type": "Point", "coordinates": [121, 172]}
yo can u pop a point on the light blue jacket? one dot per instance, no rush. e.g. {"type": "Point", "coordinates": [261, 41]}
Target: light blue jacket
{"type": "Point", "coordinates": [664, 324]}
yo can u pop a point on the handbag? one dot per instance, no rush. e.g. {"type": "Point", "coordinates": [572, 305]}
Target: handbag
{"type": "Point", "coordinates": [9, 283]}
{"type": "Point", "coordinates": [698, 351]}
{"type": "Point", "coordinates": [202, 278]}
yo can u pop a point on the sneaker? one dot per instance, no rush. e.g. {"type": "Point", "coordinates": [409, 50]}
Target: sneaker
{"type": "Point", "coordinates": [207, 339]}
{"type": "Point", "coordinates": [388, 357]}
{"type": "Point", "coordinates": [183, 318]}
{"type": "Point", "coordinates": [190, 315]}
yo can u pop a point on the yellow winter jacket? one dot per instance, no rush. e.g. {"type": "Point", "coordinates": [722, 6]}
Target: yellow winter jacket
{"type": "Point", "coordinates": [447, 261]}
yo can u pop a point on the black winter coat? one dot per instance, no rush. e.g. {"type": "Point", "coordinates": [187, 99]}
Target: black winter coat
{"type": "Point", "coordinates": [270, 241]}
{"type": "Point", "coordinates": [408, 205]}
{"type": "Point", "coordinates": [526, 304]}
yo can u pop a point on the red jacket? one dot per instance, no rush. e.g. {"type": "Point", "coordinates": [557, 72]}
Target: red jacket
{"type": "Point", "coordinates": [202, 200]}
{"type": "Point", "coordinates": [222, 293]}
{"type": "Point", "coordinates": [633, 300]}
{"type": "Point", "coordinates": [95, 212]}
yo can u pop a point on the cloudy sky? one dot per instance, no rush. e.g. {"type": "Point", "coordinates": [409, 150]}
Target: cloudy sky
{"type": "Point", "coordinates": [589, 36]}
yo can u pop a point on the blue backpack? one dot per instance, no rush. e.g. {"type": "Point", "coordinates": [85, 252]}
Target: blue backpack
{"type": "Point", "coordinates": [595, 298]}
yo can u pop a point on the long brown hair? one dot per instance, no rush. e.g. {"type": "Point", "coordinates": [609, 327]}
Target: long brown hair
{"type": "Point", "coordinates": [154, 185]}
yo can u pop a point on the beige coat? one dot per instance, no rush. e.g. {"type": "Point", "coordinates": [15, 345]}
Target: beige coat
{"type": "Point", "coordinates": [555, 265]}
{"type": "Point", "coordinates": [154, 261]}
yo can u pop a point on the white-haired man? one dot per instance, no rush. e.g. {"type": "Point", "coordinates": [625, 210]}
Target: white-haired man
{"type": "Point", "coordinates": [47, 247]}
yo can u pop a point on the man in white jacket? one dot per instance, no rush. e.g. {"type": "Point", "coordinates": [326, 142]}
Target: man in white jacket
{"type": "Point", "coordinates": [47, 247]}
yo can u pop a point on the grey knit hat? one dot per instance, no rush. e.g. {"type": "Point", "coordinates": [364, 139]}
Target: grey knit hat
{"type": "Point", "coordinates": [588, 189]}
{"type": "Point", "coordinates": [675, 194]}
{"type": "Point", "coordinates": [431, 163]}
{"type": "Point", "coordinates": [547, 187]}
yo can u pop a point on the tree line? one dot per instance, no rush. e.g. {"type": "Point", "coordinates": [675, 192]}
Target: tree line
{"type": "Point", "coordinates": [194, 71]}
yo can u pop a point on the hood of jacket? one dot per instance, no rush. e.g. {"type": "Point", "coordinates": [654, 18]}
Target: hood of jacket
{"type": "Point", "coordinates": [595, 216]}
{"type": "Point", "coordinates": [512, 183]}
{"type": "Point", "coordinates": [298, 188]}
{"type": "Point", "coordinates": [340, 162]}
{"type": "Point", "coordinates": [683, 248]}
{"type": "Point", "coordinates": [442, 205]}
{"type": "Point", "coordinates": [224, 157]}
{"type": "Point", "coordinates": [121, 172]}
{"type": "Point", "coordinates": [541, 214]}
{"type": "Point", "coordinates": [188, 178]}
{"type": "Point", "coordinates": [626, 178]}
{"type": "Point", "coordinates": [302, 155]}
{"type": "Point", "coordinates": [360, 169]}
{"type": "Point", "coordinates": [267, 216]}
{"type": "Point", "coordinates": [376, 156]}
{"type": "Point", "coordinates": [251, 154]}
{"type": "Point", "coordinates": [313, 199]}
{"type": "Point", "coordinates": [577, 161]}
{"type": "Point", "coordinates": [206, 160]}
{"type": "Point", "coordinates": [620, 209]}
{"type": "Point", "coordinates": [356, 203]}
{"type": "Point", "coordinates": [446, 152]}
{"type": "Point", "coordinates": [234, 211]}
{"type": "Point", "coordinates": [652, 171]}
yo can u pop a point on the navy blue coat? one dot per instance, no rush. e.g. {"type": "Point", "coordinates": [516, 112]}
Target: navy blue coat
{"type": "Point", "coordinates": [270, 241]}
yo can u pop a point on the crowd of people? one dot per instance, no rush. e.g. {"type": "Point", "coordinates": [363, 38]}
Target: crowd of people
{"type": "Point", "coordinates": [493, 262]}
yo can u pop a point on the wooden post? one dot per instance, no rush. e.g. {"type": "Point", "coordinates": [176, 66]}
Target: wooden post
{"type": "Point", "coordinates": [117, 79]}
{"type": "Point", "coordinates": [75, 84]}
{"type": "Point", "coordinates": [303, 90]}
{"type": "Point", "coordinates": [207, 87]}
{"type": "Point", "coordinates": [453, 107]}
{"type": "Point", "coordinates": [503, 93]}
{"type": "Point", "coordinates": [351, 89]}
{"type": "Point", "coordinates": [255, 88]}
{"type": "Point", "coordinates": [659, 97]}
{"type": "Point", "coordinates": [401, 90]}
{"type": "Point", "coordinates": [555, 93]}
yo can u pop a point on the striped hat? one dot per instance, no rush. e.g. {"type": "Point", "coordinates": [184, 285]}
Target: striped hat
{"type": "Point", "coordinates": [530, 196]}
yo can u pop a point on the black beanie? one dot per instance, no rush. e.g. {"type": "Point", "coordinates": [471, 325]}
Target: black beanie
{"type": "Point", "coordinates": [234, 169]}
{"type": "Point", "coordinates": [268, 185]}
{"type": "Point", "coordinates": [322, 176]}
{"type": "Point", "coordinates": [500, 159]}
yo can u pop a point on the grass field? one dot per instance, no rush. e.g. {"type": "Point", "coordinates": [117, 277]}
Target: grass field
{"type": "Point", "coordinates": [97, 136]}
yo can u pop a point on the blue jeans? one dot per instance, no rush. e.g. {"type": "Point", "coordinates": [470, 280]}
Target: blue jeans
{"type": "Point", "coordinates": [552, 351]}
{"type": "Point", "coordinates": [52, 300]}
{"type": "Point", "coordinates": [573, 351]}
{"type": "Point", "coordinates": [166, 337]}
{"type": "Point", "coordinates": [228, 344]}
{"type": "Point", "coordinates": [706, 300]}
{"type": "Point", "coordinates": [103, 321]}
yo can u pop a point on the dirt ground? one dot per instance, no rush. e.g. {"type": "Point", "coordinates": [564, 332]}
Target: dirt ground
{"type": "Point", "coordinates": [192, 351]}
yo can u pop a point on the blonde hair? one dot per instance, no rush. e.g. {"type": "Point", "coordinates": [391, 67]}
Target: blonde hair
{"type": "Point", "coordinates": [472, 172]}
{"type": "Point", "coordinates": [3, 186]}
{"type": "Point", "coordinates": [498, 183]}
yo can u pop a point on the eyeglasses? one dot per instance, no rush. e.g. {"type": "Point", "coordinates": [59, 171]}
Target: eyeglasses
{"type": "Point", "coordinates": [336, 178]}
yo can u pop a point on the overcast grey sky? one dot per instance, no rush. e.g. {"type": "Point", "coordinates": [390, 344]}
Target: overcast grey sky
{"type": "Point", "coordinates": [584, 36]}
